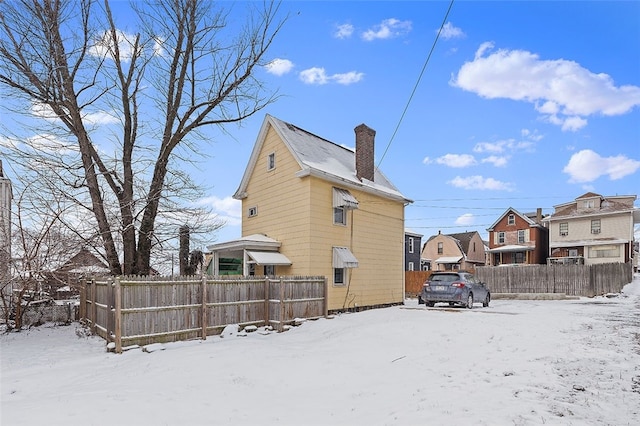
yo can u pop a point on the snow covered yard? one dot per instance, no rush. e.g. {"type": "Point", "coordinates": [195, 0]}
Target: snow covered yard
{"type": "Point", "coordinates": [518, 362]}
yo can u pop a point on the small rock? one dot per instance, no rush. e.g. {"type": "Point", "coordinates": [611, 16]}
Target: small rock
{"type": "Point", "coordinates": [579, 388]}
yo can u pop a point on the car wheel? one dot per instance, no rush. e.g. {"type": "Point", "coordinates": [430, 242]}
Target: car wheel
{"type": "Point", "coordinates": [451, 304]}
{"type": "Point", "coordinates": [470, 301]}
{"type": "Point", "coordinates": [486, 300]}
{"type": "Point", "coordinates": [430, 304]}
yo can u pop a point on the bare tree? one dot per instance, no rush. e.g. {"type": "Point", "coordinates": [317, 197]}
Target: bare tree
{"type": "Point", "coordinates": [41, 242]}
{"type": "Point", "coordinates": [186, 69]}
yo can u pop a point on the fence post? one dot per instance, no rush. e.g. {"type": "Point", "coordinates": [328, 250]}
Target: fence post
{"type": "Point", "coordinates": [203, 317]}
{"type": "Point", "coordinates": [281, 324]}
{"type": "Point", "coordinates": [118, 316]}
{"type": "Point", "coordinates": [326, 297]}
{"type": "Point", "coordinates": [94, 308]}
{"type": "Point", "coordinates": [267, 304]}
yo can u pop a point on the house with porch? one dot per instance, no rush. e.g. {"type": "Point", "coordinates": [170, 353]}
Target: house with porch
{"type": "Point", "coordinates": [593, 229]}
{"type": "Point", "coordinates": [518, 239]}
{"type": "Point", "coordinates": [314, 207]}
{"type": "Point", "coordinates": [463, 251]}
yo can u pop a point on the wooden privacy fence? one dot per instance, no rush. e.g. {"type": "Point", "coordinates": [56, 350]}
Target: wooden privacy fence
{"type": "Point", "coordinates": [573, 280]}
{"type": "Point", "coordinates": [143, 310]}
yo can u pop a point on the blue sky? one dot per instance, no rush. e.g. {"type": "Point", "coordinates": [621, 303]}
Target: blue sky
{"type": "Point", "coordinates": [521, 104]}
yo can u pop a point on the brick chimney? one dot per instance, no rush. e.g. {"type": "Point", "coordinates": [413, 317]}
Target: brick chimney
{"type": "Point", "coordinates": [365, 138]}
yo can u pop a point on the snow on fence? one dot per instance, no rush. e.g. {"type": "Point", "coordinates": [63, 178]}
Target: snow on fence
{"type": "Point", "coordinates": [143, 310]}
{"type": "Point", "coordinates": [573, 280]}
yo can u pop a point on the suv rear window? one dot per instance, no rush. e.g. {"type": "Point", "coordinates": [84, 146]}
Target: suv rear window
{"type": "Point", "coordinates": [444, 277]}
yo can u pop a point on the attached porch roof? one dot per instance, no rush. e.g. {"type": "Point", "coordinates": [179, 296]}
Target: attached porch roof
{"type": "Point", "coordinates": [449, 259]}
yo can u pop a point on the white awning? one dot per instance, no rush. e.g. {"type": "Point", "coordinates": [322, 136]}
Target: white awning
{"type": "Point", "coordinates": [343, 258]}
{"type": "Point", "coordinates": [511, 248]}
{"type": "Point", "coordinates": [343, 198]}
{"type": "Point", "coordinates": [268, 258]}
{"type": "Point", "coordinates": [449, 259]}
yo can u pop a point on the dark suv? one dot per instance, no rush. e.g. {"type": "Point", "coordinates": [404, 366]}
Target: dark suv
{"type": "Point", "coordinates": [455, 288]}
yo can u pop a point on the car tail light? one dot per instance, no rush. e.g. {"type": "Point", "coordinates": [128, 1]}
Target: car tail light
{"type": "Point", "coordinates": [426, 284]}
{"type": "Point", "coordinates": [458, 284]}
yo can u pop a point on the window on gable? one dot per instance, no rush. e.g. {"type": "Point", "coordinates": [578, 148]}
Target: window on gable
{"type": "Point", "coordinates": [440, 249]}
{"type": "Point", "coordinates": [511, 219]}
{"type": "Point", "coordinates": [589, 204]}
{"type": "Point", "coordinates": [253, 211]}
{"type": "Point", "coordinates": [271, 161]}
{"type": "Point", "coordinates": [521, 236]}
{"type": "Point", "coordinates": [500, 237]}
{"type": "Point", "coordinates": [411, 246]}
{"type": "Point", "coordinates": [595, 226]}
{"type": "Point", "coordinates": [564, 228]}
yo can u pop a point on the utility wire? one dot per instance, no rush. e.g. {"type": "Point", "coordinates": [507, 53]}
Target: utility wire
{"type": "Point", "coordinates": [415, 87]}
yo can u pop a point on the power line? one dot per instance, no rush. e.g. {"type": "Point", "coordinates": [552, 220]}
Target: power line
{"type": "Point", "coordinates": [415, 87]}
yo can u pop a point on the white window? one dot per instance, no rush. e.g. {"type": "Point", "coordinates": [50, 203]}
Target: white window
{"type": "Point", "coordinates": [411, 246]}
{"type": "Point", "coordinates": [253, 211]}
{"type": "Point", "coordinates": [588, 204]}
{"type": "Point", "coordinates": [339, 216]}
{"type": "Point", "coordinates": [440, 248]}
{"type": "Point", "coordinates": [604, 251]}
{"type": "Point", "coordinates": [595, 226]}
{"type": "Point", "coordinates": [564, 228]}
{"type": "Point", "coordinates": [511, 219]}
{"type": "Point", "coordinates": [410, 267]}
{"type": "Point", "coordinates": [521, 236]}
{"type": "Point", "coordinates": [271, 161]}
{"type": "Point", "coordinates": [500, 237]}
{"type": "Point", "coordinates": [338, 276]}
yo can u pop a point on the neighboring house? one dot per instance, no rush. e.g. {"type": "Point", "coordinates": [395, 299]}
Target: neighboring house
{"type": "Point", "coordinates": [412, 246]}
{"type": "Point", "coordinates": [5, 223]}
{"type": "Point", "coordinates": [65, 280]}
{"type": "Point", "coordinates": [313, 207]}
{"type": "Point", "coordinates": [454, 251]}
{"type": "Point", "coordinates": [518, 239]}
{"type": "Point", "coordinates": [593, 229]}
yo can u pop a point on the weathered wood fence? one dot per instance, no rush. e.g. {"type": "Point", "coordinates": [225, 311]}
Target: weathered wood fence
{"type": "Point", "coordinates": [573, 280]}
{"type": "Point", "coordinates": [143, 310]}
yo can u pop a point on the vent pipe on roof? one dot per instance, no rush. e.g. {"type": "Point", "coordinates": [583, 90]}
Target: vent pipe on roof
{"type": "Point", "coordinates": [365, 140]}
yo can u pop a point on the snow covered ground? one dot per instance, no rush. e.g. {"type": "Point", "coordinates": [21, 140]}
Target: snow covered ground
{"type": "Point", "coordinates": [517, 362]}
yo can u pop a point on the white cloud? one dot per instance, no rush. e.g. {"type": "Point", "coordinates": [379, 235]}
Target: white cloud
{"type": "Point", "coordinates": [279, 66]}
{"type": "Point", "coordinates": [465, 219]}
{"type": "Point", "coordinates": [480, 183]}
{"type": "Point", "coordinates": [319, 76]}
{"type": "Point", "coordinates": [103, 46]}
{"type": "Point", "coordinates": [389, 28]}
{"type": "Point", "coordinates": [496, 161]}
{"type": "Point", "coordinates": [228, 209]}
{"type": "Point", "coordinates": [587, 166]}
{"type": "Point", "coordinates": [501, 146]}
{"type": "Point", "coordinates": [449, 31]}
{"type": "Point", "coordinates": [427, 160]}
{"type": "Point", "coordinates": [44, 142]}
{"type": "Point", "coordinates": [347, 78]}
{"type": "Point", "coordinates": [562, 91]}
{"type": "Point", "coordinates": [314, 75]}
{"type": "Point", "coordinates": [100, 118]}
{"type": "Point", "coordinates": [456, 160]}
{"type": "Point", "coordinates": [343, 31]}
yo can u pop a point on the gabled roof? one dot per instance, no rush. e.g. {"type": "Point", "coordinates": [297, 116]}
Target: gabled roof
{"type": "Point", "coordinates": [461, 239]}
{"type": "Point", "coordinates": [318, 157]}
{"type": "Point", "coordinates": [84, 262]}
{"type": "Point", "coordinates": [609, 205]}
{"type": "Point", "coordinates": [589, 195]}
{"type": "Point", "coordinates": [524, 217]}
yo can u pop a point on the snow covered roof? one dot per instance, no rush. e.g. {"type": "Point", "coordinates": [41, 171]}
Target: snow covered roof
{"type": "Point", "coordinates": [321, 158]}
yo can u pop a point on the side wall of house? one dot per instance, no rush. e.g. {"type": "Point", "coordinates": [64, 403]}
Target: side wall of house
{"type": "Point", "coordinates": [476, 253]}
{"type": "Point", "coordinates": [374, 233]}
{"type": "Point", "coordinates": [282, 203]}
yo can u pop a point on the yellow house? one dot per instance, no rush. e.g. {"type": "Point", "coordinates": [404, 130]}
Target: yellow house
{"type": "Point", "coordinates": [313, 207]}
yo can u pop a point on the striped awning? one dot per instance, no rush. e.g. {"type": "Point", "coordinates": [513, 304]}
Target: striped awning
{"type": "Point", "coordinates": [343, 258]}
{"type": "Point", "coordinates": [343, 198]}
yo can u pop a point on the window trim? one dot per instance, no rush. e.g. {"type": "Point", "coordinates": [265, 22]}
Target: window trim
{"type": "Point", "coordinates": [343, 274]}
{"type": "Point", "coordinates": [563, 232]}
{"type": "Point", "coordinates": [440, 247]}
{"type": "Point", "coordinates": [501, 237]}
{"type": "Point", "coordinates": [596, 226]}
{"type": "Point", "coordinates": [522, 233]}
{"type": "Point", "coordinates": [271, 161]}
{"type": "Point", "coordinates": [344, 216]}
{"type": "Point", "coordinates": [410, 266]}
{"type": "Point", "coordinates": [411, 244]}
{"type": "Point", "coordinates": [252, 211]}
{"type": "Point", "coordinates": [511, 219]}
